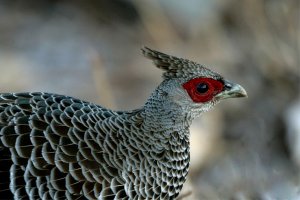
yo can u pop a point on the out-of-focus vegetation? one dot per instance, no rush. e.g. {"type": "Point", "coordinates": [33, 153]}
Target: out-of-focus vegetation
{"type": "Point", "coordinates": [245, 148]}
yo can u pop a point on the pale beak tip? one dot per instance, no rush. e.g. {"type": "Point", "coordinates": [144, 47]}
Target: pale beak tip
{"type": "Point", "coordinates": [242, 92]}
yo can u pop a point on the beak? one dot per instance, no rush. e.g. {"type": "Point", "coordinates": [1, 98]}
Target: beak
{"type": "Point", "coordinates": [231, 90]}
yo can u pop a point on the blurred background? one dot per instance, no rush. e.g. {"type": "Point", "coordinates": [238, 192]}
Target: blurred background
{"type": "Point", "coordinates": [90, 49]}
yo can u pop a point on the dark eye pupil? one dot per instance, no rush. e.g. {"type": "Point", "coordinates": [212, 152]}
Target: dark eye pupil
{"type": "Point", "coordinates": [202, 88]}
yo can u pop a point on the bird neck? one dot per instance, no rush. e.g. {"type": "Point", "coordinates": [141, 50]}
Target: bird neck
{"type": "Point", "coordinates": [166, 120]}
{"type": "Point", "coordinates": [166, 116]}
{"type": "Point", "coordinates": [167, 143]}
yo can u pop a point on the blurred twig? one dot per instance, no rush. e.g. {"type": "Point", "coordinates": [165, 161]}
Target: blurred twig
{"type": "Point", "coordinates": [156, 22]}
{"type": "Point", "coordinates": [100, 78]}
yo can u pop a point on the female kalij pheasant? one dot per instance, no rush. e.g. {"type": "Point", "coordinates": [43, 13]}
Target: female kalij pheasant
{"type": "Point", "coordinates": [58, 147]}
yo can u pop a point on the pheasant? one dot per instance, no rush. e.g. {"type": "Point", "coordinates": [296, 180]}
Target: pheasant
{"type": "Point", "coordinates": [58, 147]}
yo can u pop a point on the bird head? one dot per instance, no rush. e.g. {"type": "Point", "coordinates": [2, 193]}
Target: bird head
{"type": "Point", "coordinates": [189, 86]}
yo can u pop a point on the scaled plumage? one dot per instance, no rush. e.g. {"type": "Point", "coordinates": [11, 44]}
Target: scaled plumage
{"type": "Point", "coordinates": [58, 147]}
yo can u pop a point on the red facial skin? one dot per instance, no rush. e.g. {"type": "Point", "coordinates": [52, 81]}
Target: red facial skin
{"type": "Point", "coordinates": [214, 87]}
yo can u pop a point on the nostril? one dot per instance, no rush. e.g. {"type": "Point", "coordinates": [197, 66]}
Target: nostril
{"type": "Point", "coordinates": [227, 86]}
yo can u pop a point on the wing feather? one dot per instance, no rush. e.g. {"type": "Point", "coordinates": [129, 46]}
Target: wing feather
{"type": "Point", "coordinates": [46, 141]}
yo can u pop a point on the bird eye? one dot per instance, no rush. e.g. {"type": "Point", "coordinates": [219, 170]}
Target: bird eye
{"type": "Point", "coordinates": [202, 88]}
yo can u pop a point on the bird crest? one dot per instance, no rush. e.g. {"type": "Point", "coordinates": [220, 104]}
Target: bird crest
{"type": "Point", "coordinates": [172, 66]}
